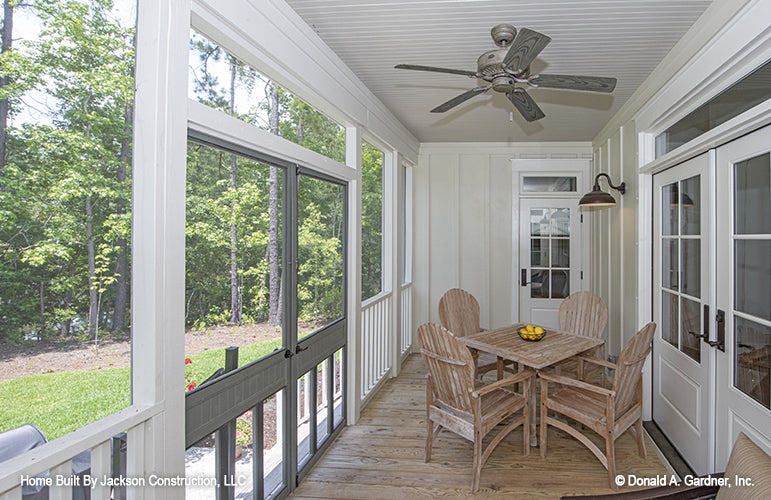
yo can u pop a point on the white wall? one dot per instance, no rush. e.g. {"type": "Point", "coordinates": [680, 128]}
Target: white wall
{"type": "Point", "coordinates": [462, 223]}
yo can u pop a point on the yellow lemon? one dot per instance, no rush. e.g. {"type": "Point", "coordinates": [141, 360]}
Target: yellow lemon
{"type": "Point", "coordinates": [530, 328]}
{"type": "Point", "coordinates": [523, 330]}
{"type": "Point", "coordinates": [538, 330]}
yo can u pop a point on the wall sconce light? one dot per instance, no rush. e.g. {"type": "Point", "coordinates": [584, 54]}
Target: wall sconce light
{"type": "Point", "coordinates": [598, 197]}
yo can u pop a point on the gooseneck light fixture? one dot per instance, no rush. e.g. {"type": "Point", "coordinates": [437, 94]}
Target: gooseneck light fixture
{"type": "Point", "coordinates": [598, 197]}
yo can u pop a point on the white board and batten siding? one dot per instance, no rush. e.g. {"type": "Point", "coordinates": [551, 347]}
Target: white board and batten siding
{"type": "Point", "coordinates": [463, 205]}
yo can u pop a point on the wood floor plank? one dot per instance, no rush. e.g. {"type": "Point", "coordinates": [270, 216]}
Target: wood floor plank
{"type": "Point", "coordinates": [381, 457]}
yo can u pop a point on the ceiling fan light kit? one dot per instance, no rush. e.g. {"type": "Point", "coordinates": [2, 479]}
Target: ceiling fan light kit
{"type": "Point", "coordinates": [509, 65]}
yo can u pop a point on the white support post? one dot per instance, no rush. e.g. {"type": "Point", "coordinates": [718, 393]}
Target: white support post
{"type": "Point", "coordinates": [158, 238]}
{"type": "Point", "coordinates": [353, 371]}
{"type": "Point", "coordinates": [394, 244]}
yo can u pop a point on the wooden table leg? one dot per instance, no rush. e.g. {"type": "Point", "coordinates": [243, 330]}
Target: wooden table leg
{"type": "Point", "coordinates": [533, 413]}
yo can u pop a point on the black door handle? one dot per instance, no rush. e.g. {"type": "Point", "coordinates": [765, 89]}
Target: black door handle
{"type": "Point", "coordinates": [299, 349]}
{"type": "Point", "coordinates": [720, 320]}
{"type": "Point", "coordinates": [523, 279]}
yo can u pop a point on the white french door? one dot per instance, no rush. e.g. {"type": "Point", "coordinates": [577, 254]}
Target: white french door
{"type": "Point", "coordinates": [550, 257]}
{"type": "Point", "coordinates": [683, 365]}
{"type": "Point", "coordinates": [744, 293]}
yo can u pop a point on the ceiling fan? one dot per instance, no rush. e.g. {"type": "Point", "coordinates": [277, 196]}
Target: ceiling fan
{"type": "Point", "coordinates": [509, 65]}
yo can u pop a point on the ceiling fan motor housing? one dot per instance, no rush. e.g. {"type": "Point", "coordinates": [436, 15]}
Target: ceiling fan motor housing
{"type": "Point", "coordinates": [490, 67]}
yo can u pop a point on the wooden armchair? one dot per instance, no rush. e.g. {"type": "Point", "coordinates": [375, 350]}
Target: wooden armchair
{"type": "Point", "coordinates": [584, 314]}
{"type": "Point", "coordinates": [608, 412]}
{"type": "Point", "coordinates": [457, 401]}
{"type": "Point", "coordinates": [459, 313]}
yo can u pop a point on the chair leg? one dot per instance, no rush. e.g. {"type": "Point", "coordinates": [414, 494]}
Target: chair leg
{"type": "Point", "coordinates": [499, 367]}
{"type": "Point", "coordinates": [638, 428]}
{"type": "Point", "coordinates": [610, 454]}
{"type": "Point", "coordinates": [477, 469]}
{"type": "Point", "coordinates": [429, 439]}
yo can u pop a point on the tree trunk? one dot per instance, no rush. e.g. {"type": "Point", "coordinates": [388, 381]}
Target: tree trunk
{"type": "Point", "coordinates": [42, 312]}
{"type": "Point", "coordinates": [122, 273]}
{"type": "Point", "coordinates": [67, 323]}
{"type": "Point", "coordinates": [235, 309]}
{"type": "Point", "coordinates": [274, 280]}
{"type": "Point", "coordinates": [121, 265]}
{"type": "Point", "coordinates": [92, 285]}
{"type": "Point", "coordinates": [7, 40]}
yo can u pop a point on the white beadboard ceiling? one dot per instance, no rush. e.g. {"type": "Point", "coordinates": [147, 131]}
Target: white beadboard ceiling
{"type": "Point", "coordinates": [625, 39]}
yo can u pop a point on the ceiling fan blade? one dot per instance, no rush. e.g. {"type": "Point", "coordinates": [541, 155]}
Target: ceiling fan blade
{"type": "Point", "coordinates": [436, 70]}
{"type": "Point", "coordinates": [526, 46]}
{"type": "Point", "coordinates": [525, 105]}
{"type": "Point", "coordinates": [459, 99]}
{"type": "Point", "coordinates": [574, 82]}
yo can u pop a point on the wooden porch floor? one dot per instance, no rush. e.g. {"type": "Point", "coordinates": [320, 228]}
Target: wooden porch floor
{"type": "Point", "coordinates": [381, 457]}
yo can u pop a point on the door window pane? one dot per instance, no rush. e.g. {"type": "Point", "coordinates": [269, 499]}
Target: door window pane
{"type": "Point", "coordinates": [320, 233]}
{"type": "Point", "coordinates": [539, 221]}
{"type": "Point", "coordinates": [669, 264]}
{"type": "Point", "coordinates": [752, 196]}
{"type": "Point", "coordinates": [560, 284]}
{"type": "Point", "coordinates": [234, 242]}
{"type": "Point", "coordinates": [560, 222]}
{"type": "Point", "coordinates": [669, 211]}
{"type": "Point", "coordinates": [689, 201]}
{"type": "Point", "coordinates": [752, 362]}
{"type": "Point", "coordinates": [539, 284]}
{"type": "Point", "coordinates": [539, 252]}
{"type": "Point", "coordinates": [303, 419]}
{"type": "Point", "coordinates": [669, 318]}
{"type": "Point", "coordinates": [322, 401]}
{"type": "Point", "coordinates": [273, 444]}
{"type": "Point", "coordinates": [560, 252]}
{"type": "Point", "coordinates": [752, 273]}
{"type": "Point", "coordinates": [338, 375]}
{"type": "Point", "coordinates": [691, 261]}
{"type": "Point", "coordinates": [690, 323]}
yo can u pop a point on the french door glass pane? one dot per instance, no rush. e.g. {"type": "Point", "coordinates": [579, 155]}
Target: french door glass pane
{"type": "Point", "coordinates": [560, 284]}
{"type": "Point", "coordinates": [691, 262]}
{"type": "Point", "coordinates": [690, 322]}
{"type": "Point", "coordinates": [669, 264]}
{"type": "Point", "coordinates": [560, 252]}
{"type": "Point", "coordinates": [669, 224]}
{"type": "Point", "coordinates": [539, 252]}
{"type": "Point", "coordinates": [560, 222]}
{"type": "Point", "coordinates": [320, 227]}
{"type": "Point", "coordinates": [690, 206]}
{"type": "Point", "coordinates": [752, 275]}
{"type": "Point", "coordinates": [539, 222]}
{"type": "Point", "coordinates": [752, 362]}
{"type": "Point", "coordinates": [669, 318]}
{"type": "Point", "coordinates": [752, 196]}
{"type": "Point", "coordinates": [539, 284]}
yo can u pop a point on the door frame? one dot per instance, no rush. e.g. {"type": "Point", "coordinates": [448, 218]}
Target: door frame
{"type": "Point", "coordinates": [579, 167]}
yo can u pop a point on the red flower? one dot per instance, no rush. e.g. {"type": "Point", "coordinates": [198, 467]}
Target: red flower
{"type": "Point", "coordinates": [192, 386]}
{"type": "Point", "coordinates": [188, 361]}
{"type": "Point", "coordinates": [248, 414]}
{"type": "Point", "coordinates": [239, 434]}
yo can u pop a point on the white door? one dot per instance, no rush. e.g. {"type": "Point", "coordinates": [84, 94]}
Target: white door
{"type": "Point", "coordinates": [683, 370]}
{"type": "Point", "coordinates": [744, 294]}
{"type": "Point", "coordinates": [550, 257]}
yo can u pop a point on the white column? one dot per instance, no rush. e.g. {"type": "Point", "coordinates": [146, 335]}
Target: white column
{"type": "Point", "coordinates": [394, 243]}
{"type": "Point", "coordinates": [353, 375]}
{"type": "Point", "coordinates": [158, 236]}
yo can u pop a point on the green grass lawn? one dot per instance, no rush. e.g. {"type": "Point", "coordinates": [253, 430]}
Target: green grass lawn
{"type": "Point", "coordinates": [59, 403]}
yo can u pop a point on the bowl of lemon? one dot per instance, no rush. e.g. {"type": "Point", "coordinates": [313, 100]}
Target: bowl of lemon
{"type": "Point", "coordinates": [532, 333]}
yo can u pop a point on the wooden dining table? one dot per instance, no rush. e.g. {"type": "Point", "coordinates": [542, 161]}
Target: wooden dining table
{"type": "Point", "coordinates": [554, 347]}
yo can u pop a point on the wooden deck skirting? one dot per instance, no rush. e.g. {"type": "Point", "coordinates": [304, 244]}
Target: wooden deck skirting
{"type": "Point", "coordinates": [381, 457]}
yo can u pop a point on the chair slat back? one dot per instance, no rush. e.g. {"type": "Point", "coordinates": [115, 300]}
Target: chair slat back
{"type": "Point", "coordinates": [450, 365]}
{"type": "Point", "coordinates": [628, 380]}
{"type": "Point", "coordinates": [459, 312]}
{"type": "Point", "coordinates": [583, 313]}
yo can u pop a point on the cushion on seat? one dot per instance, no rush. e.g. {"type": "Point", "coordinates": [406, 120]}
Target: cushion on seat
{"type": "Point", "coordinates": [747, 460]}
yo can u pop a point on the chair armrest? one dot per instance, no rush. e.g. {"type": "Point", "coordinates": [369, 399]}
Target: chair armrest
{"type": "Point", "coordinates": [560, 379]}
{"type": "Point", "coordinates": [596, 361]}
{"type": "Point", "coordinates": [511, 379]}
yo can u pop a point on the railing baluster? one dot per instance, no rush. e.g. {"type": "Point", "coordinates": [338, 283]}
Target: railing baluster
{"type": "Point", "coordinates": [63, 471]}
{"type": "Point", "coordinates": [101, 466]}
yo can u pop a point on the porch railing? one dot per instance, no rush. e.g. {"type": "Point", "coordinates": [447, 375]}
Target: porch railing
{"type": "Point", "coordinates": [375, 328]}
{"type": "Point", "coordinates": [56, 456]}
